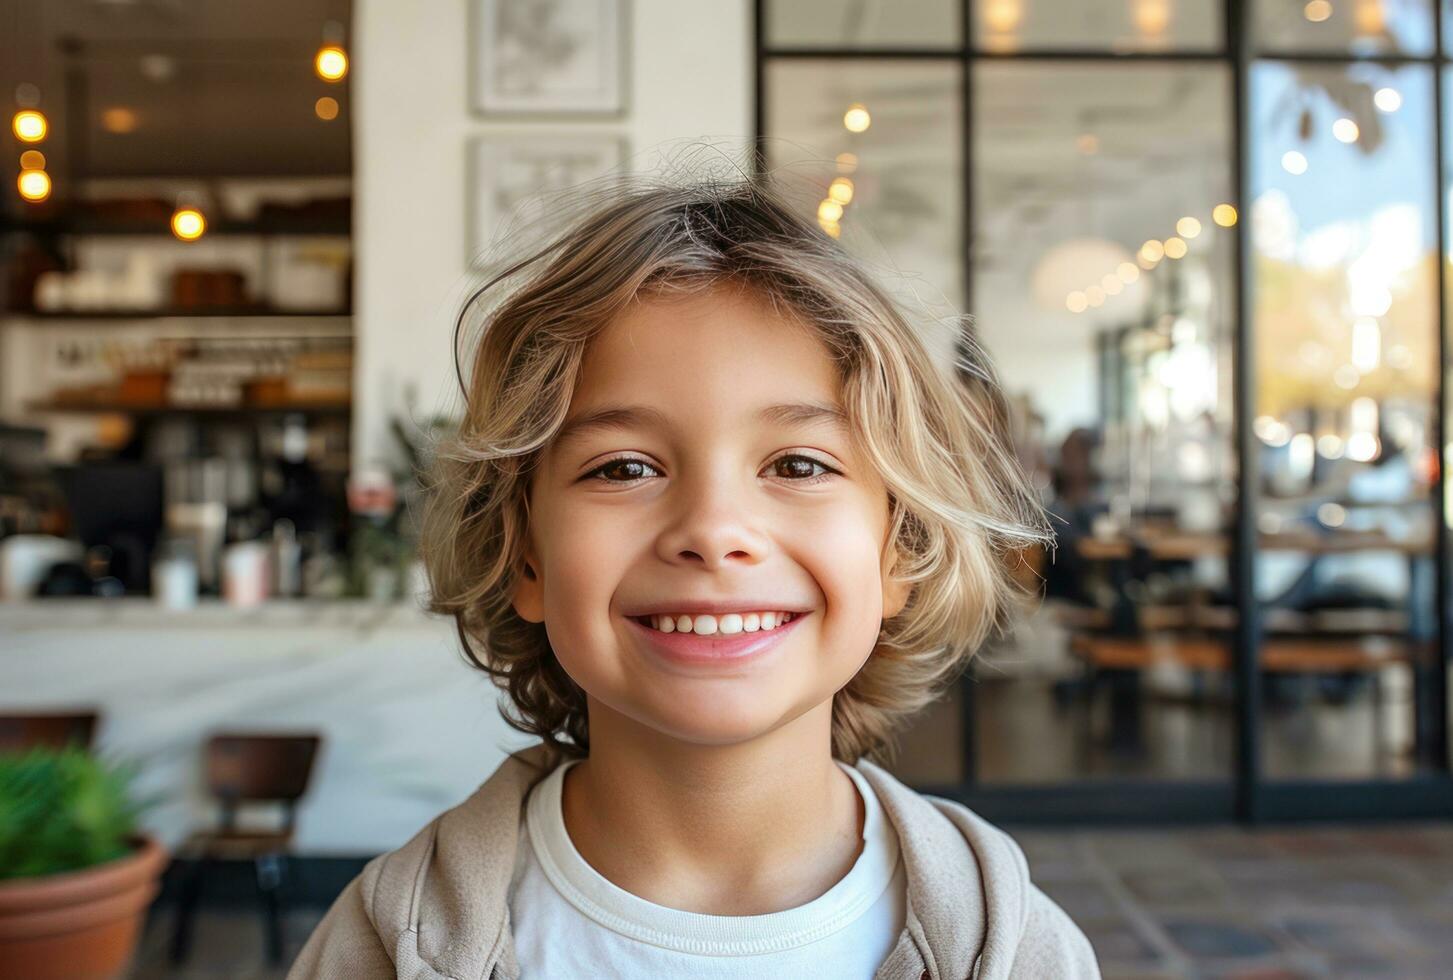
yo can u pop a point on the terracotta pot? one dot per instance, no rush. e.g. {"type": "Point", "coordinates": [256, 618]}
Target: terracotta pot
{"type": "Point", "coordinates": [78, 925]}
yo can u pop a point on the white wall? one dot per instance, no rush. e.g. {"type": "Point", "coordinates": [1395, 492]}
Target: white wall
{"type": "Point", "coordinates": [691, 75]}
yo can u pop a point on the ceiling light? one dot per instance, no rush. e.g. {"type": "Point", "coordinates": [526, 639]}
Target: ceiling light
{"type": "Point", "coordinates": [331, 63]}
{"type": "Point", "coordinates": [188, 224]}
{"type": "Point", "coordinates": [29, 125]}
{"type": "Point", "coordinates": [118, 119]}
{"type": "Point", "coordinates": [34, 185]}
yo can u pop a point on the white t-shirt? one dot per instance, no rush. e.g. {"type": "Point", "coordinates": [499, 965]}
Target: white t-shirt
{"type": "Point", "coordinates": [570, 921]}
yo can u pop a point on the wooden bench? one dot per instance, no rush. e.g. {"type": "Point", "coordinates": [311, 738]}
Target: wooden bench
{"type": "Point", "coordinates": [1284, 655]}
{"type": "Point", "coordinates": [1122, 659]}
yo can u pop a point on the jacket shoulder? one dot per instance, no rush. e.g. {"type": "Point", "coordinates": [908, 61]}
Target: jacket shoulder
{"type": "Point", "coordinates": [1049, 943]}
{"type": "Point", "coordinates": [1052, 945]}
{"type": "Point", "coordinates": [446, 881]}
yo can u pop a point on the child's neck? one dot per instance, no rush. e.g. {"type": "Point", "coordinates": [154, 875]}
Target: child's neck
{"type": "Point", "coordinates": [745, 829]}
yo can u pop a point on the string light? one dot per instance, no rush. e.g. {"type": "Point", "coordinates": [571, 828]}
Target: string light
{"type": "Point", "coordinates": [326, 108]}
{"type": "Point", "coordinates": [1147, 257]}
{"type": "Point", "coordinates": [857, 119]}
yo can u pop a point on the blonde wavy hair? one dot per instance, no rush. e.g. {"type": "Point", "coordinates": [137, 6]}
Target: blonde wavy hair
{"type": "Point", "coordinates": [961, 510]}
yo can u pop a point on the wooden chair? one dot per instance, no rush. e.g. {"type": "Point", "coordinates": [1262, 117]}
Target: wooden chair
{"type": "Point", "coordinates": [245, 769]}
{"type": "Point", "coordinates": [19, 732]}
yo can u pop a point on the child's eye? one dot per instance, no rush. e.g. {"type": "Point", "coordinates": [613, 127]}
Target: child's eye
{"type": "Point", "coordinates": [626, 469]}
{"type": "Point", "coordinates": [800, 469]}
{"type": "Point", "coordinates": [796, 468]}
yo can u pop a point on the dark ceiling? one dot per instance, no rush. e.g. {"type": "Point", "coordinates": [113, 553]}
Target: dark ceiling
{"type": "Point", "coordinates": [216, 87]}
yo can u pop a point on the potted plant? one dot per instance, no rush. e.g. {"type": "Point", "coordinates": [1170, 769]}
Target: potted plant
{"type": "Point", "coordinates": [76, 877]}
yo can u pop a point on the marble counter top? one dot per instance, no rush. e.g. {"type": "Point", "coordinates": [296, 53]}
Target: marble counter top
{"type": "Point", "coordinates": [409, 729]}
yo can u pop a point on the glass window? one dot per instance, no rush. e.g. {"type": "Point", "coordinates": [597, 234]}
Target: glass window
{"type": "Point", "coordinates": [1344, 245]}
{"type": "Point", "coordinates": [1098, 25]}
{"type": "Point", "coordinates": [873, 149]}
{"type": "Point", "coordinates": [1360, 27]}
{"type": "Point", "coordinates": [1101, 291]}
{"type": "Point", "coordinates": [865, 24]}
{"type": "Point", "coordinates": [1447, 456]}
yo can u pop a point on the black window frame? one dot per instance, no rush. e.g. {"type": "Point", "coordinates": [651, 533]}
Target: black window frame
{"type": "Point", "coordinates": [1247, 796]}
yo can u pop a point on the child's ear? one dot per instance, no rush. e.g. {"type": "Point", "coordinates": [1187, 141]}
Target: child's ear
{"type": "Point", "coordinates": [895, 590]}
{"type": "Point", "coordinates": [529, 597]}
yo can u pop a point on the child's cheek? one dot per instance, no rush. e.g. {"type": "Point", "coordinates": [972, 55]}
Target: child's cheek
{"type": "Point", "coordinates": [587, 556]}
{"type": "Point", "coordinates": [844, 559]}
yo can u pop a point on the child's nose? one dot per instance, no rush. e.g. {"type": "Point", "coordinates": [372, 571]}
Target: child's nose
{"type": "Point", "coordinates": [714, 530]}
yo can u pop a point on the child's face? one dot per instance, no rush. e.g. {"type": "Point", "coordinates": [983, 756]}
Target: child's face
{"type": "Point", "coordinates": [708, 506]}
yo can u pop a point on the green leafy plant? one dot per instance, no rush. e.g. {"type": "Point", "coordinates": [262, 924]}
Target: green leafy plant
{"type": "Point", "coordinates": [62, 810]}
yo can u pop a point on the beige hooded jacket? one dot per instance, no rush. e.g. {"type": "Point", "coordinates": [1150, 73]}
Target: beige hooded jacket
{"type": "Point", "coordinates": [436, 909]}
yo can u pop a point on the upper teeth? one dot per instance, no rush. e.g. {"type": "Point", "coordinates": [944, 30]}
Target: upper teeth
{"type": "Point", "coordinates": [706, 625]}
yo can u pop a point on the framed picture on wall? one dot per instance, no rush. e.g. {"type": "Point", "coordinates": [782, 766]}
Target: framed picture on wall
{"type": "Point", "coordinates": [549, 57]}
{"type": "Point", "coordinates": [507, 172]}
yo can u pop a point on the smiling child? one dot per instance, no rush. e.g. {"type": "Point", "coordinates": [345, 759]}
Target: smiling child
{"type": "Point", "coordinates": [718, 523]}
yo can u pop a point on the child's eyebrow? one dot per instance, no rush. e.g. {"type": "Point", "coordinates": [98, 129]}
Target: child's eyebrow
{"type": "Point", "coordinates": [619, 417]}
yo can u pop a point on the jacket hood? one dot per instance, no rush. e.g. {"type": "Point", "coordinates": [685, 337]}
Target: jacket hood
{"type": "Point", "coordinates": [439, 904]}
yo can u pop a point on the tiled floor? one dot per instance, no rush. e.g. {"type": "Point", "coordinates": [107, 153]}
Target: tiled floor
{"type": "Point", "coordinates": [1223, 903]}
{"type": "Point", "coordinates": [1201, 903]}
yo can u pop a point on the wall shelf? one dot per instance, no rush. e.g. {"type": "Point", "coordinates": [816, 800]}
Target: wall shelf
{"type": "Point", "coordinates": [115, 408]}
{"type": "Point", "coordinates": [256, 313]}
{"type": "Point", "coordinates": [272, 226]}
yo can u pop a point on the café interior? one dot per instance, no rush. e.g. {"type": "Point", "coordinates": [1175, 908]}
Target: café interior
{"type": "Point", "coordinates": [1205, 245]}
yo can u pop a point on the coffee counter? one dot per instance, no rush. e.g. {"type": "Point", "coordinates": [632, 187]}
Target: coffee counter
{"type": "Point", "coordinates": [408, 728]}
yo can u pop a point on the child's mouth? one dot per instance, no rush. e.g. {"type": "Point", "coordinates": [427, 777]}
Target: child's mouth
{"type": "Point", "coordinates": [692, 648]}
{"type": "Point", "coordinates": [727, 624]}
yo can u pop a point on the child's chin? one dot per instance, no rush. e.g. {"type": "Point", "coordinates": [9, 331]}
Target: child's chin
{"type": "Point", "coordinates": [717, 728]}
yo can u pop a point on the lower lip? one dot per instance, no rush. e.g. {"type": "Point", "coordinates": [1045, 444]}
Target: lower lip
{"type": "Point", "coordinates": [733, 649]}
